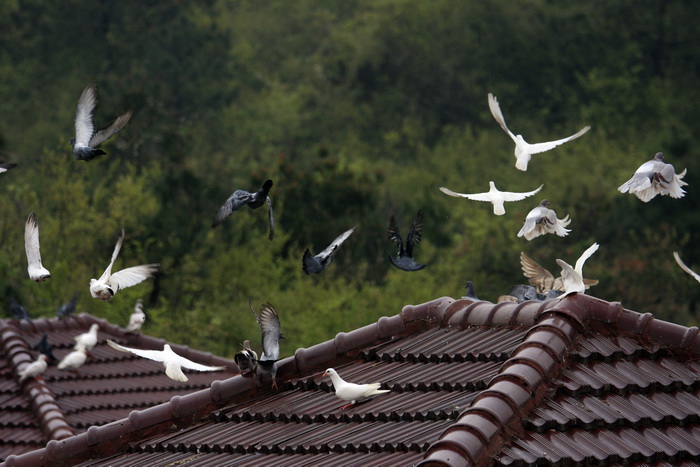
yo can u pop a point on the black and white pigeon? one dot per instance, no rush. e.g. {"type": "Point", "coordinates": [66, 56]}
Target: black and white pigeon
{"type": "Point", "coordinates": [108, 284]}
{"type": "Point", "coordinates": [543, 220]}
{"type": "Point", "coordinates": [44, 347]}
{"type": "Point", "coordinates": [86, 137]}
{"type": "Point", "coordinates": [269, 323]}
{"type": "Point", "coordinates": [18, 311]}
{"type": "Point", "coordinates": [655, 177]}
{"type": "Point", "coordinates": [247, 358]}
{"type": "Point", "coordinates": [315, 264]}
{"type": "Point", "coordinates": [523, 149]}
{"type": "Point", "coordinates": [404, 257]}
{"type": "Point", "coordinates": [240, 198]}
{"type": "Point", "coordinates": [37, 272]}
{"type": "Point", "coordinates": [5, 166]}
{"type": "Point", "coordinates": [67, 308]}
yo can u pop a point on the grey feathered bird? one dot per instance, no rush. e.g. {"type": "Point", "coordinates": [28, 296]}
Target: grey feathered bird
{"type": "Point", "coordinates": [86, 138]}
{"type": "Point", "coordinates": [655, 177]}
{"type": "Point", "coordinates": [44, 347]}
{"type": "Point", "coordinates": [542, 220]}
{"type": "Point", "coordinates": [18, 311]}
{"type": "Point", "coordinates": [269, 323]}
{"type": "Point", "coordinates": [315, 264]}
{"type": "Point", "coordinates": [68, 308]}
{"type": "Point", "coordinates": [471, 293]}
{"type": "Point", "coordinates": [404, 257]}
{"type": "Point", "coordinates": [247, 358]}
{"type": "Point", "coordinates": [240, 198]}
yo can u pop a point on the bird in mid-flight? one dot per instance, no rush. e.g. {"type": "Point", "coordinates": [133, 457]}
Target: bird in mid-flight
{"type": "Point", "coordinates": [108, 284]}
{"type": "Point", "coordinates": [269, 323]}
{"type": "Point", "coordinates": [404, 256]}
{"type": "Point", "coordinates": [86, 137]}
{"type": "Point", "coordinates": [493, 196]}
{"type": "Point", "coordinates": [573, 277]}
{"type": "Point", "coordinates": [5, 166]}
{"type": "Point", "coordinates": [543, 280]}
{"type": "Point", "coordinates": [137, 318]}
{"type": "Point", "coordinates": [68, 308]}
{"type": "Point", "coordinates": [543, 220]}
{"type": "Point", "coordinates": [523, 149]}
{"type": "Point", "coordinates": [241, 198]}
{"type": "Point", "coordinates": [37, 272]}
{"type": "Point", "coordinates": [655, 177]}
{"type": "Point", "coordinates": [315, 264]}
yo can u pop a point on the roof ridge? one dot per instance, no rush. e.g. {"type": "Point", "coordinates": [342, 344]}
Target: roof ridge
{"type": "Point", "coordinates": [51, 418]}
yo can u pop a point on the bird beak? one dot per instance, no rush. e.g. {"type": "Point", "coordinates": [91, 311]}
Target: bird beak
{"type": "Point", "coordinates": [324, 374]}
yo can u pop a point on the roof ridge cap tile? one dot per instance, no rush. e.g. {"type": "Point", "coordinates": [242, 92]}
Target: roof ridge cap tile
{"type": "Point", "coordinates": [52, 420]}
{"type": "Point", "coordinates": [467, 312]}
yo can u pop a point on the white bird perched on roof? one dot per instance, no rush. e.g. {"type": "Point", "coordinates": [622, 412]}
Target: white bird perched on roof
{"type": "Point", "coordinates": [108, 284]}
{"type": "Point", "coordinates": [172, 362]}
{"type": "Point", "coordinates": [87, 340]}
{"type": "Point", "coordinates": [543, 220]}
{"type": "Point", "coordinates": [37, 272]}
{"type": "Point", "coordinates": [523, 149]}
{"type": "Point", "coordinates": [353, 392]}
{"type": "Point", "coordinates": [573, 277]}
{"type": "Point", "coordinates": [86, 138]}
{"type": "Point", "coordinates": [315, 264]}
{"type": "Point", "coordinates": [35, 368]}
{"type": "Point", "coordinates": [683, 266]}
{"type": "Point", "coordinates": [655, 177]}
{"type": "Point", "coordinates": [73, 360]}
{"type": "Point", "coordinates": [494, 196]}
{"type": "Point", "coordinates": [137, 318]}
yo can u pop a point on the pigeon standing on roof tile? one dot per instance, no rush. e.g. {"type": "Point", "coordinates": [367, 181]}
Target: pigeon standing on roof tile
{"type": "Point", "coordinates": [655, 177]}
{"type": "Point", "coordinates": [683, 266]}
{"type": "Point", "coordinates": [543, 220]}
{"type": "Point", "coordinates": [86, 138]}
{"type": "Point", "coordinates": [68, 308]}
{"type": "Point", "coordinates": [74, 359]}
{"type": "Point", "coordinates": [269, 323]}
{"type": "Point", "coordinates": [573, 276]}
{"type": "Point", "coordinates": [543, 280]}
{"type": "Point", "coordinates": [137, 318]}
{"type": "Point", "coordinates": [44, 347]}
{"type": "Point", "coordinates": [87, 340]}
{"type": "Point", "coordinates": [404, 256]}
{"type": "Point", "coordinates": [352, 392]}
{"type": "Point", "coordinates": [18, 311]}
{"type": "Point", "coordinates": [471, 293]}
{"type": "Point", "coordinates": [523, 149]}
{"type": "Point", "coordinates": [5, 166]}
{"type": "Point", "coordinates": [315, 264]}
{"type": "Point", "coordinates": [172, 362]}
{"type": "Point", "coordinates": [37, 272]}
{"type": "Point", "coordinates": [247, 358]}
{"type": "Point", "coordinates": [34, 369]}
{"type": "Point", "coordinates": [240, 198]}
{"type": "Point", "coordinates": [108, 284]}
{"type": "Point", "coordinates": [493, 196]}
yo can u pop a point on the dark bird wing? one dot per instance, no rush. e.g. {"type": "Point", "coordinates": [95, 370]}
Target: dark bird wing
{"type": "Point", "coordinates": [44, 347]}
{"type": "Point", "coordinates": [395, 234]}
{"type": "Point", "coordinates": [310, 264]}
{"type": "Point", "coordinates": [261, 196]}
{"type": "Point", "coordinates": [542, 279]}
{"type": "Point", "coordinates": [104, 134]}
{"type": "Point", "coordinates": [5, 166]}
{"type": "Point", "coordinates": [68, 308]}
{"type": "Point", "coordinates": [84, 126]}
{"type": "Point", "coordinates": [237, 200]}
{"type": "Point", "coordinates": [414, 233]}
{"type": "Point", "coordinates": [272, 218]}
{"type": "Point", "coordinates": [269, 323]}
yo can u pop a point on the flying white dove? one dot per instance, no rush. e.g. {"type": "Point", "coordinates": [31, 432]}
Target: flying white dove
{"type": "Point", "coordinates": [573, 277]}
{"type": "Point", "coordinates": [493, 196]}
{"type": "Point", "coordinates": [686, 268]}
{"type": "Point", "coordinates": [543, 280]}
{"type": "Point", "coordinates": [315, 264]}
{"type": "Point", "coordinates": [37, 272]}
{"type": "Point", "coordinates": [353, 392]}
{"type": "Point", "coordinates": [523, 149]}
{"type": "Point", "coordinates": [73, 360]}
{"type": "Point", "coordinates": [543, 220]}
{"type": "Point", "coordinates": [87, 340]}
{"type": "Point", "coordinates": [86, 138]}
{"type": "Point", "coordinates": [108, 284]}
{"type": "Point", "coordinates": [172, 362]}
{"type": "Point", "coordinates": [35, 368]}
{"type": "Point", "coordinates": [655, 177]}
{"type": "Point", "coordinates": [137, 318]}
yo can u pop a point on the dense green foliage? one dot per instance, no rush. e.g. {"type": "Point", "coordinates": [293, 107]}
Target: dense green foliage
{"type": "Point", "coordinates": [357, 111]}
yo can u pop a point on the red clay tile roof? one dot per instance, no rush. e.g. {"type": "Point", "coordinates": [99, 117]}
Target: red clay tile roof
{"type": "Point", "coordinates": [579, 380]}
{"type": "Point", "coordinates": [107, 388]}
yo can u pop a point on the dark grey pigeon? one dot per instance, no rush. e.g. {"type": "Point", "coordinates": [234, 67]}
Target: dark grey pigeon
{"type": "Point", "coordinates": [5, 166]}
{"type": "Point", "coordinates": [471, 293]}
{"type": "Point", "coordinates": [18, 311]}
{"type": "Point", "coordinates": [240, 198]}
{"type": "Point", "coordinates": [67, 308]}
{"type": "Point", "coordinates": [86, 138]}
{"type": "Point", "coordinates": [269, 323]}
{"type": "Point", "coordinates": [404, 258]}
{"type": "Point", "coordinates": [315, 264]}
{"type": "Point", "coordinates": [44, 347]}
{"type": "Point", "coordinates": [247, 358]}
